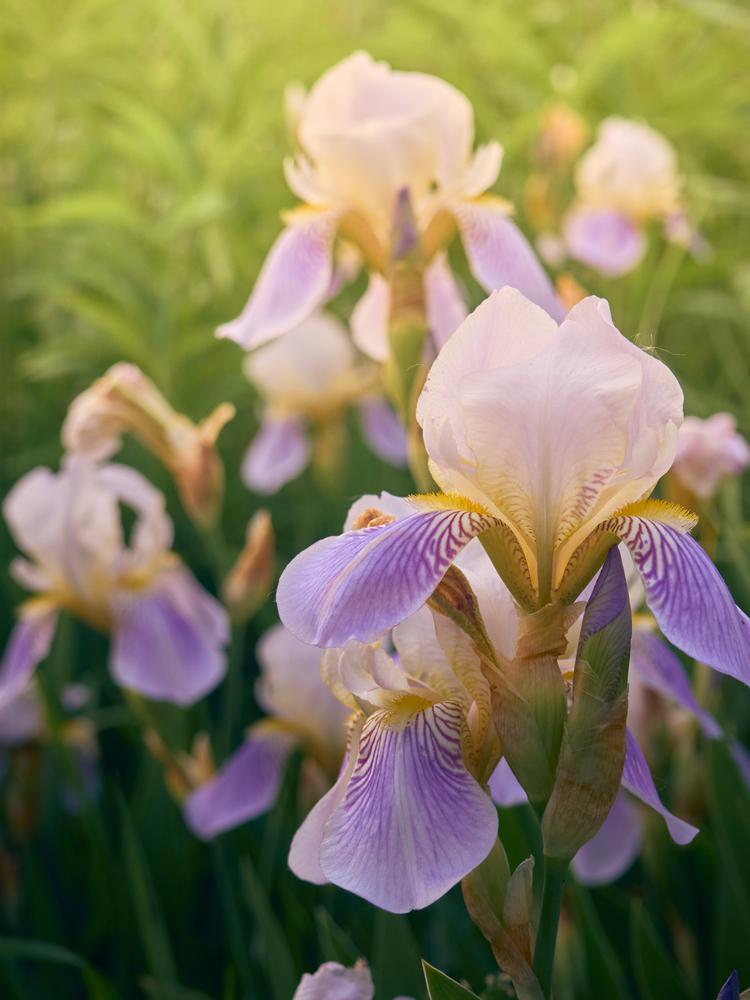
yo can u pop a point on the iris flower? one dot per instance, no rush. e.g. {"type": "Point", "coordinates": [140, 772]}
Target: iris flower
{"type": "Point", "coordinates": [167, 633]}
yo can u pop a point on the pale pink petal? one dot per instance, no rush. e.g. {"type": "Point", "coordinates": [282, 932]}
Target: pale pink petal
{"type": "Point", "coordinates": [369, 321]}
{"type": "Point", "coordinates": [334, 982]}
{"type": "Point", "coordinates": [446, 308]}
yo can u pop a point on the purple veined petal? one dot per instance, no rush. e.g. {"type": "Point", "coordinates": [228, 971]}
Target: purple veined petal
{"type": "Point", "coordinates": [360, 584]}
{"type": "Point", "coordinates": [499, 254]}
{"type": "Point", "coordinates": [731, 988]}
{"type": "Point", "coordinates": [369, 320]}
{"type": "Point", "coordinates": [654, 664]}
{"type": "Point", "coordinates": [383, 431]}
{"type": "Point", "coordinates": [690, 601]}
{"type": "Point", "coordinates": [29, 643]}
{"type": "Point", "coordinates": [614, 848]}
{"type": "Point", "coordinates": [636, 778]}
{"type": "Point", "coordinates": [446, 308]}
{"type": "Point", "coordinates": [412, 821]}
{"type": "Point", "coordinates": [278, 453]}
{"type": "Point", "coordinates": [333, 981]}
{"type": "Point", "coordinates": [604, 240]}
{"type": "Point", "coordinates": [504, 786]}
{"type": "Point", "coordinates": [245, 786]}
{"type": "Point", "coordinates": [167, 641]}
{"type": "Point", "coordinates": [294, 280]}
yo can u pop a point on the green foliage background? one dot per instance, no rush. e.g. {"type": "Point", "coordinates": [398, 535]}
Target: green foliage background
{"type": "Point", "coordinates": [140, 186]}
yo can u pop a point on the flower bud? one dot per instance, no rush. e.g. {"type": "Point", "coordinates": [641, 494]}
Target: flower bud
{"type": "Point", "coordinates": [250, 579]}
{"type": "Point", "coordinates": [125, 401]}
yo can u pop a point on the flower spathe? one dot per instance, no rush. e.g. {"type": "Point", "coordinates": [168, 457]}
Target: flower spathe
{"type": "Point", "coordinates": [366, 134]}
{"type": "Point", "coordinates": [546, 440]}
{"type": "Point", "coordinates": [167, 633]}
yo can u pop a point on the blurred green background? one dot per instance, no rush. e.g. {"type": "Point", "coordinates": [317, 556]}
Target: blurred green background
{"type": "Point", "coordinates": [140, 187]}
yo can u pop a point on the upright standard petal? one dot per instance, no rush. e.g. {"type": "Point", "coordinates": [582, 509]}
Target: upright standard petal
{"type": "Point", "coordinates": [654, 664]}
{"type": "Point", "coordinates": [499, 254]}
{"type": "Point", "coordinates": [360, 584]}
{"type": "Point", "coordinates": [245, 787]}
{"type": "Point", "coordinates": [612, 850]}
{"type": "Point", "coordinates": [412, 821]}
{"type": "Point", "coordinates": [604, 240]}
{"type": "Point", "coordinates": [278, 453]}
{"type": "Point", "coordinates": [293, 281]}
{"type": "Point", "coordinates": [29, 643]}
{"type": "Point", "coordinates": [688, 597]}
{"type": "Point", "coordinates": [636, 778]}
{"type": "Point", "coordinates": [167, 640]}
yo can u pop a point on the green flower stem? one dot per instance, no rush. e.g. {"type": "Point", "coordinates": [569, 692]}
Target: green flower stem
{"type": "Point", "coordinates": [555, 874]}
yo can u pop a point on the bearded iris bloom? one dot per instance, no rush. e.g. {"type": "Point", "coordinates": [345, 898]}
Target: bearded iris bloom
{"type": "Point", "coordinates": [546, 442]}
{"type": "Point", "coordinates": [167, 633]}
{"type": "Point", "coordinates": [368, 138]}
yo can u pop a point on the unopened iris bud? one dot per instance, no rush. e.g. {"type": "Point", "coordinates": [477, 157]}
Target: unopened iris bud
{"type": "Point", "coordinates": [183, 772]}
{"type": "Point", "coordinates": [125, 401]}
{"type": "Point", "coordinates": [249, 581]}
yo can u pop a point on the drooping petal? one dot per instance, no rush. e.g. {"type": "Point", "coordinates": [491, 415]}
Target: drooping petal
{"type": "Point", "coordinates": [504, 786]}
{"type": "Point", "coordinates": [293, 281]}
{"type": "Point", "coordinates": [656, 666]}
{"type": "Point", "coordinates": [167, 640]}
{"type": "Point", "coordinates": [369, 321]}
{"type": "Point", "coordinates": [29, 643]}
{"type": "Point", "coordinates": [245, 786]}
{"type": "Point", "coordinates": [612, 850]}
{"type": "Point", "coordinates": [636, 778]}
{"type": "Point", "coordinates": [333, 981]}
{"type": "Point", "coordinates": [604, 240]}
{"type": "Point", "coordinates": [499, 254]}
{"type": "Point", "coordinates": [360, 584]}
{"type": "Point", "coordinates": [446, 308]}
{"type": "Point", "coordinates": [688, 597]}
{"type": "Point", "coordinates": [383, 431]}
{"type": "Point", "coordinates": [398, 836]}
{"type": "Point", "coordinates": [277, 454]}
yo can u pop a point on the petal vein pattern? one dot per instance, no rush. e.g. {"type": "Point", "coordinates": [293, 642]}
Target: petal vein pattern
{"type": "Point", "coordinates": [360, 584]}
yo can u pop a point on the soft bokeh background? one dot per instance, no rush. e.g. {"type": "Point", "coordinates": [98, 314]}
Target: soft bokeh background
{"type": "Point", "coordinates": [140, 186]}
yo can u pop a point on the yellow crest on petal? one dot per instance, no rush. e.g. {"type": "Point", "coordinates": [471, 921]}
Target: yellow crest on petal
{"type": "Point", "coordinates": [663, 511]}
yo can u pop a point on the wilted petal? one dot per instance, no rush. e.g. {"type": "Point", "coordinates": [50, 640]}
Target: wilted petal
{"type": "Point", "coordinates": [610, 853]}
{"type": "Point", "coordinates": [499, 254]}
{"type": "Point", "coordinates": [335, 982]}
{"type": "Point", "coordinates": [446, 308]}
{"type": "Point", "coordinates": [167, 640]}
{"type": "Point", "coordinates": [369, 321]}
{"type": "Point", "coordinates": [29, 643]}
{"type": "Point", "coordinates": [293, 281]}
{"type": "Point", "coordinates": [688, 597]}
{"type": "Point", "coordinates": [636, 778]}
{"type": "Point", "coordinates": [398, 837]}
{"type": "Point", "coordinates": [383, 431]}
{"type": "Point", "coordinates": [604, 240]}
{"type": "Point", "coordinates": [656, 666]}
{"type": "Point", "coordinates": [360, 584]}
{"type": "Point", "coordinates": [245, 786]}
{"type": "Point", "coordinates": [278, 453]}
{"type": "Point", "coordinates": [504, 786]}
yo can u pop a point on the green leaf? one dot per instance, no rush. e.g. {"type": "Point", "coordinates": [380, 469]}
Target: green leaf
{"type": "Point", "coordinates": [273, 950]}
{"type": "Point", "coordinates": [45, 951]}
{"type": "Point", "coordinates": [335, 943]}
{"type": "Point", "coordinates": [605, 977]}
{"type": "Point", "coordinates": [656, 971]}
{"type": "Point", "coordinates": [442, 987]}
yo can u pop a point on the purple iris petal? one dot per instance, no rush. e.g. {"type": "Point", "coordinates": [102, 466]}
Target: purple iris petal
{"type": "Point", "coordinates": [731, 988]}
{"type": "Point", "coordinates": [29, 643]}
{"type": "Point", "coordinates": [167, 640]}
{"type": "Point", "coordinates": [334, 982]}
{"type": "Point", "coordinates": [604, 240]}
{"type": "Point", "coordinates": [613, 849]}
{"type": "Point", "coordinates": [505, 787]}
{"type": "Point", "coordinates": [277, 454]}
{"type": "Point", "coordinates": [398, 837]}
{"type": "Point", "coordinates": [657, 667]}
{"type": "Point", "coordinates": [499, 254]}
{"type": "Point", "coordinates": [360, 584]}
{"type": "Point", "coordinates": [295, 278]}
{"type": "Point", "coordinates": [446, 308]}
{"type": "Point", "coordinates": [688, 597]}
{"type": "Point", "coordinates": [304, 853]}
{"type": "Point", "coordinates": [636, 778]}
{"type": "Point", "coordinates": [243, 788]}
{"type": "Point", "coordinates": [383, 431]}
